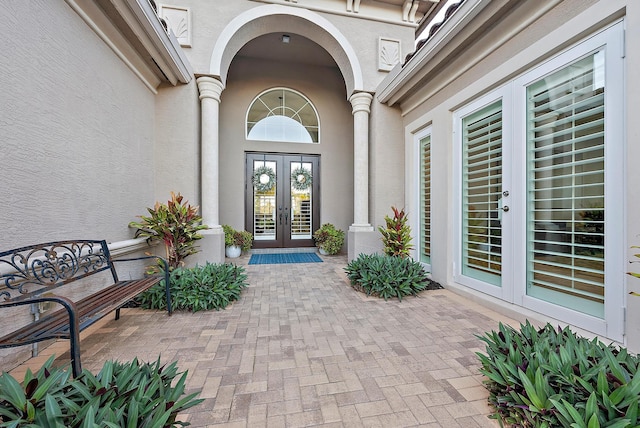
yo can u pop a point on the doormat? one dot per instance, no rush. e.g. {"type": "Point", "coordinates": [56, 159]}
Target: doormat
{"type": "Point", "coordinates": [266, 259]}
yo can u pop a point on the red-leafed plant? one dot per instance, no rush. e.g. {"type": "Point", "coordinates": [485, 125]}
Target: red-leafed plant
{"type": "Point", "coordinates": [176, 225]}
{"type": "Point", "coordinates": [396, 237]}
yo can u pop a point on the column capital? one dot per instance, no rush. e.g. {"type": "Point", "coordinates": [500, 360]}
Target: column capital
{"type": "Point", "coordinates": [209, 87]}
{"type": "Point", "coordinates": [361, 101]}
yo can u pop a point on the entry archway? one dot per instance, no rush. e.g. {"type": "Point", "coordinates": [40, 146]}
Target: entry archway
{"type": "Point", "coordinates": [244, 28]}
{"type": "Point", "coordinates": [262, 20]}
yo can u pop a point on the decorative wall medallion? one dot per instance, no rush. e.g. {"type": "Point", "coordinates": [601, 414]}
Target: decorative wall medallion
{"type": "Point", "coordinates": [388, 53]}
{"type": "Point", "coordinates": [179, 21]}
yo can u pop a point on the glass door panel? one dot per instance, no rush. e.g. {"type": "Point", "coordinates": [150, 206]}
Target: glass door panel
{"type": "Point", "coordinates": [481, 194]}
{"type": "Point", "coordinates": [425, 199]}
{"type": "Point", "coordinates": [264, 202]}
{"type": "Point", "coordinates": [565, 187]}
{"type": "Point", "coordinates": [301, 200]}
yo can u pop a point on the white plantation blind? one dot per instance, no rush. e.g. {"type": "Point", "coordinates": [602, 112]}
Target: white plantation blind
{"type": "Point", "coordinates": [425, 199]}
{"type": "Point", "coordinates": [482, 189]}
{"type": "Point", "coordinates": [301, 209]}
{"type": "Point", "coordinates": [565, 133]}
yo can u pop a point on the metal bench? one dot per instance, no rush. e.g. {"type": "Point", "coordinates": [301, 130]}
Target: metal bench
{"type": "Point", "coordinates": [29, 274]}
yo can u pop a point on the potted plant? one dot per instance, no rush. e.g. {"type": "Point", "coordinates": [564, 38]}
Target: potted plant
{"type": "Point", "coordinates": [236, 241]}
{"type": "Point", "coordinates": [329, 239]}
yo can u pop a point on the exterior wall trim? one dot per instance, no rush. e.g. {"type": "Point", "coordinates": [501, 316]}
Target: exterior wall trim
{"type": "Point", "coordinates": [354, 14]}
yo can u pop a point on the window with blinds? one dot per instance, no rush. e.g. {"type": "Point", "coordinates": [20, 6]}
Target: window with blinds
{"type": "Point", "coordinates": [425, 199]}
{"type": "Point", "coordinates": [565, 170]}
{"type": "Point", "coordinates": [481, 192]}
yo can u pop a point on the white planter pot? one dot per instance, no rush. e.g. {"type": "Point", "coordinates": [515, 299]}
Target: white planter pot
{"type": "Point", "coordinates": [322, 251]}
{"type": "Point", "coordinates": [232, 251]}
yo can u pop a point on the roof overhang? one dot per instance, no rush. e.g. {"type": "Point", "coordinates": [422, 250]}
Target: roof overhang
{"type": "Point", "coordinates": [135, 33]}
{"type": "Point", "coordinates": [404, 77]}
{"type": "Point", "coordinates": [476, 29]}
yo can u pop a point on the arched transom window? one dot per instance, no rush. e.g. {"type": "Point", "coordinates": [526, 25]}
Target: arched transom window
{"type": "Point", "coordinates": [283, 114]}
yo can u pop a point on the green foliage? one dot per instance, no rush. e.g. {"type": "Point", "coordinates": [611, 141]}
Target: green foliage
{"type": "Point", "coordinates": [176, 225]}
{"type": "Point", "coordinates": [239, 238]}
{"type": "Point", "coordinates": [329, 238]}
{"type": "Point", "coordinates": [201, 288]}
{"type": "Point", "coordinates": [396, 237]}
{"type": "Point", "coordinates": [553, 378]}
{"type": "Point", "coordinates": [386, 276]}
{"type": "Point", "coordinates": [141, 395]}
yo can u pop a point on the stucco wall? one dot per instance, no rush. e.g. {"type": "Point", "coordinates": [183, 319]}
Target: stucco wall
{"type": "Point", "coordinates": [77, 130]}
{"type": "Point", "coordinates": [77, 133]}
{"type": "Point", "coordinates": [386, 164]}
{"type": "Point", "coordinates": [177, 147]}
{"type": "Point", "coordinates": [325, 88]}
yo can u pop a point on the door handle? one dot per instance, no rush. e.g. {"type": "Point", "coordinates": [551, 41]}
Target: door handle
{"type": "Point", "coordinates": [286, 216]}
{"type": "Point", "coordinates": [280, 219]}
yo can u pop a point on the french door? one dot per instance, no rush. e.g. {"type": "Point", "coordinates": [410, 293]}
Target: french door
{"type": "Point", "coordinates": [282, 199]}
{"type": "Point", "coordinates": [540, 181]}
{"type": "Point", "coordinates": [485, 216]}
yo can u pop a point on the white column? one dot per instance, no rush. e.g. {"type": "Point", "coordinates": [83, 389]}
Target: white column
{"type": "Point", "coordinates": [210, 90]}
{"type": "Point", "coordinates": [361, 103]}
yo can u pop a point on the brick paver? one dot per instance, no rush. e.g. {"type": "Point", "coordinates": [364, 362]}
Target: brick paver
{"type": "Point", "coordinates": [302, 348]}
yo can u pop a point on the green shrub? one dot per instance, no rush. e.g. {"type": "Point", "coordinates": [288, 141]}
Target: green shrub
{"type": "Point", "coordinates": [396, 237]}
{"type": "Point", "coordinates": [212, 286]}
{"type": "Point", "coordinates": [122, 395]}
{"type": "Point", "coordinates": [553, 378]}
{"type": "Point", "coordinates": [386, 276]}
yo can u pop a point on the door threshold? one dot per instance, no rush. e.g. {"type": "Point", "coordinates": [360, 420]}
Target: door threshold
{"type": "Point", "coordinates": [284, 250]}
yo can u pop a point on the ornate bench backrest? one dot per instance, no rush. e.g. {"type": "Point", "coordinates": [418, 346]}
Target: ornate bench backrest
{"type": "Point", "coordinates": [34, 269]}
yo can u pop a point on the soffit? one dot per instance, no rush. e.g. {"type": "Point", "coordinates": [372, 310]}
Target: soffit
{"type": "Point", "coordinates": [299, 50]}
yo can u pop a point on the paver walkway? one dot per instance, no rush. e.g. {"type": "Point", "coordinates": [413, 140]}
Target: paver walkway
{"type": "Point", "coordinates": [302, 348]}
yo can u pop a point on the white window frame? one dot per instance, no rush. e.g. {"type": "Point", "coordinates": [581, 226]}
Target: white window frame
{"type": "Point", "coordinates": [284, 89]}
{"type": "Point", "coordinates": [611, 40]}
{"type": "Point", "coordinates": [502, 292]}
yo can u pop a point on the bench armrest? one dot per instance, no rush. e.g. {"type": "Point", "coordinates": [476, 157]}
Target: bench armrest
{"type": "Point", "coordinates": [74, 326]}
{"type": "Point", "coordinates": [166, 274]}
{"type": "Point", "coordinates": [68, 304]}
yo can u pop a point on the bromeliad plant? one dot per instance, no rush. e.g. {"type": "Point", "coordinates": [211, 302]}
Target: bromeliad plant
{"type": "Point", "coordinates": [201, 288]}
{"type": "Point", "coordinates": [553, 378]}
{"type": "Point", "coordinates": [396, 237]}
{"type": "Point", "coordinates": [388, 277]}
{"type": "Point", "coordinates": [176, 224]}
{"type": "Point", "coordinates": [141, 395]}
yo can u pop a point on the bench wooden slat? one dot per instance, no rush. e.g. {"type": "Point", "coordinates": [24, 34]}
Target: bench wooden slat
{"type": "Point", "coordinates": [89, 310]}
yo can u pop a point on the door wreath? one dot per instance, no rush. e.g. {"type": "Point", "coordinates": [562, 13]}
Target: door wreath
{"type": "Point", "coordinates": [264, 178]}
{"type": "Point", "coordinates": [301, 178]}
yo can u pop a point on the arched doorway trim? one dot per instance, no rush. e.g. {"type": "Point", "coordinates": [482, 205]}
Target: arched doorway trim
{"type": "Point", "coordinates": [264, 19]}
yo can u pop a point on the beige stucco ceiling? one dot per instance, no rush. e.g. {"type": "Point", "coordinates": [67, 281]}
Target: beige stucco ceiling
{"type": "Point", "coordinates": [299, 50]}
